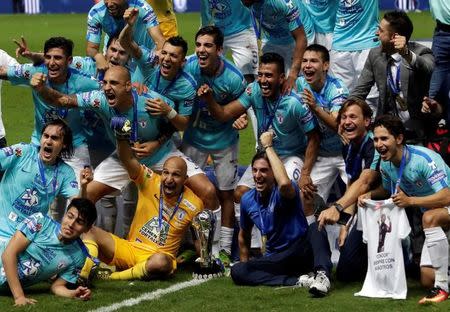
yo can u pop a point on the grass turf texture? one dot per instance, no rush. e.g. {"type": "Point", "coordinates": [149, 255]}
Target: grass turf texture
{"type": "Point", "coordinates": [215, 295]}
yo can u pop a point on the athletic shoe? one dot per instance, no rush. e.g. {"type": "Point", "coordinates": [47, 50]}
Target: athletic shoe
{"type": "Point", "coordinates": [225, 258]}
{"type": "Point", "coordinates": [305, 280]}
{"type": "Point", "coordinates": [436, 294]}
{"type": "Point", "coordinates": [321, 285]}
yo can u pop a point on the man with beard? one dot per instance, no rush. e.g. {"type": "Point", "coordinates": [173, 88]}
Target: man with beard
{"type": "Point", "coordinates": [165, 210]}
{"type": "Point", "coordinates": [35, 175]}
{"type": "Point", "coordinates": [401, 70]}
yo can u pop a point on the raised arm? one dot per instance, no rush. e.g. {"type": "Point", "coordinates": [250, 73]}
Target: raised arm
{"type": "Point", "coordinates": [297, 56]}
{"type": "Point", "coordinates": [51, 96]}
{"type": "Point", "coordinates": [16, 245]}
{"type": "Point", "coordinates": [222, 113]}
{"type": "Point", "coordinates": [22, 50]}
{"type": "Point", "coordinates": [130, 162]}
{"type": "Point", "coordinates": [279, 172]}
{"type": "Point", "coordinates": [126, 35]}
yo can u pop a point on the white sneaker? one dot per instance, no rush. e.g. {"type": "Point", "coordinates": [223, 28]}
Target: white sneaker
{"type": "Point", "coordinates": [305, 280]}
{"type": "Point", "coordinates": [320, 286]}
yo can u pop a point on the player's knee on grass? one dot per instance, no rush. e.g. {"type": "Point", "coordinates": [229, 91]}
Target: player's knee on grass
{"type": "Point", "coordinates": [239, 192]}
{"type": "Point", "coordinates": [427, 277]}
{"type": "Point", "coordinates": [239, 273]}
{"type": "Point", "coordinates": [159, 265]}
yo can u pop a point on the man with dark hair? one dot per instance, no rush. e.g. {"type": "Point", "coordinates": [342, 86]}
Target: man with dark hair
{"type": "Point", "coordinates": [401, 70]}
{"type": "Point", "coordinates": [414, 176]}
{"type": "Point", "coordinates": [23, 263]}
{"type": "Point", "coordinates": [107, 16]}
{"type": "Point", "coordinates": [275, 208]}
{"type": "Point", "coordinates": [35, 175]}
{"type": "Point", "coordinates": [207, 136]}
{"type": "Point", "coordinates": [57, 60]}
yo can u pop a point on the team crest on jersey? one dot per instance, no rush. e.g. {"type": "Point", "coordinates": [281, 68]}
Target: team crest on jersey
{"type": "Point", "coordinates": [33, 226]}
{"type": "Point", "coordinates": [248, 90]}
{"type": "Point", "coordinates": [96, 103]}
{"type": "Point", "coordinates": [78, 65]}
{"type": "Point", "coordinates": [18, 70]}
{"type": "Point", "coordinates": [27, 74]}
{"type": "Point", "coordinates": [18, 152]}
{"type": "Point", "coordinates": [280, 118]}
{"type": "Point", "coordinates": [8, 151]}
{"type": "Point", "coordinates": [181, 214]}
{"type": "Point", "coordinates": [143, 123]}
{"type": "Point", "coordinates": [30, 267]}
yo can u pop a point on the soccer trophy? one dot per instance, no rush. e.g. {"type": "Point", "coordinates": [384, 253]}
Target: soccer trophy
{"type": "Point", "coordinates": [206, 265]}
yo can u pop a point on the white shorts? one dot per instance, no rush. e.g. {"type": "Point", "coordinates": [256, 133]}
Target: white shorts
{"type": "Point", "coordinates": [348, 65]}
{"type": "Point", "coordinates": [79, 160]}
{"type": "Point", "coordinates": [225, 163]}
{"type": "Point", "coordinates": [286, 51]}
{"type": "Point", "coordinates": [325, 39]}
{"type": "Point", "coordinates": [244, 50]}
{"type": "Point", "coordinates": [325, 172]}
{"type": "Point", "coordinates": [292, 164]}
{"type": "Point", "coordinates": [111, 172]}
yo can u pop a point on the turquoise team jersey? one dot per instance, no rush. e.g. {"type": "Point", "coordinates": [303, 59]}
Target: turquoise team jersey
{"type": "Point", "coordinates": [45, 256]}
{"type": "Point", "coordinates": [88, 66]}
{"type": "Point", "coordinates": [77, 81]}
{"type": "Point", "coordinates": [30, 186]}
{"type": "Point", "coordinates": [276, 18]}
{"type": "Point", "coordinates": [99, 19]}
{"type": "Point", "coordinates": [289, 118]}
{"type": "Point", "coordinates": [231, 16]}
{"type": "Point", "coordinates": [323, 13]}
{"type": "Point", "coordinates": [425, 172]}
{"type": "Point", "coordinates": [204, 131]}
{"type": "Point", "coordinates": [182, 90]}
{"type": "Point", "coordinates": [356, 24]}
{"type": "Point", "coordinates": [308, 24]}
{"type": "Point", "coordinates": [148, 126]}
{"type": "Point", "coordinates": [330, 98]}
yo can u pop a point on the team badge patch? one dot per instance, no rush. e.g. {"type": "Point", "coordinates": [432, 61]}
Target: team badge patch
{"type": "Point", "coordinates": [18, 152]}
{"type": "Point", "coordinates": [248, 90]}
{"type": "Point", "coordinates": [34, 227]}
{"type": "Point", "coordinates": [27, 74]}
{"type": "Point", "coordinates": [78, 65]}
{"type": "Point", "coordinates": [96, 103]}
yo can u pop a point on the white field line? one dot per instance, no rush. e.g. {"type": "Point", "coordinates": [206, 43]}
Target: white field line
{"type": "Point", "coordinates": [149, 296]}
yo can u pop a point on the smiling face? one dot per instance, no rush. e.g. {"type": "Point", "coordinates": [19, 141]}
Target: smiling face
{"type": "Point", "coordinates": [116, 55]}
{"type": "Point", "coordinates": [389, 146]}
{"type": "Point", "coordinates": [72, 225]}
{"type": "Point", "coordinates": [173, 176]}
{"type": "Point", "coordinates": [208, 53]}
{"type": "Point", "coordinates": [263, 176]}
{"type": "Point", "coordinates": [117, 86]}
{"type": "Point", "coordinates": [57, 64]}
{"type": "Point", "coordinates": [51, 144]}
{"type": "Point", "coordinates": [353, 123]}
{"type": "Point", "coordinates": [270, 79]}
{"type": "Point", "coordinates": [172, 60]}
{"type": "Point", "coordinates": [314, 69]}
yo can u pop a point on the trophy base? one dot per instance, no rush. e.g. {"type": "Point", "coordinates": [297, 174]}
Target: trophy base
{"type": "Point", "coordinates": [214, 269]}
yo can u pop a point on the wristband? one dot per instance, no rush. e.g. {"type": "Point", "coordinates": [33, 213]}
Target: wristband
{"type": "Point", "coordinates": [267, 146]}
{"type": "Point", "coordinates": [338, 207]}
{"type": "Point", "coordinates": [172, 114]}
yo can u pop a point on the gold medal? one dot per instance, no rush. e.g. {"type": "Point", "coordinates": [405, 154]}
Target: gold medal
{"type": "Point", "coordinates": [263, 245]}
{"type": "Point", "coordinates": [401, 102]}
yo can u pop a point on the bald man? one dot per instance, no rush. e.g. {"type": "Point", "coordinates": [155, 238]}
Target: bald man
{"type": "Point", "coordinates": [148, 114]}
{"type": "Point", "coordinates": [165, 210]}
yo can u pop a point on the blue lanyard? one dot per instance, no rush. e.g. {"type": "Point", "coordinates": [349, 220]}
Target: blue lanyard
{"type": "Point", "coordinates": [161, 207]}
{"type": "Point", "coordinates": [270, 208]}
{"type": "Point", "coordinates": [42, 174]}
{"type": "Point", "coordinates": [353, 168]}
{"type": "Point", "coordinates": [169, 86]}
{"type": "Point", "coordinates": [269, 115]}
{"type": "Point", "coordinates": [400, 171]}
{"type": "Point", "coordinates": [394, 86]}
{"type": "Point", "coordinates": [134, 126]}
{"type": "Point", "coordinates": [255, 22]}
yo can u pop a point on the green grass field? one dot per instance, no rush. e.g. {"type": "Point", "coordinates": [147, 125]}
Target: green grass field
{"type": "Point", "coordinates": [215, 295]}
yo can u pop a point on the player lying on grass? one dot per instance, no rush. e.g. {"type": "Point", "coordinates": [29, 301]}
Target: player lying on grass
{"type": "Point", "coordinates": [42, 248]}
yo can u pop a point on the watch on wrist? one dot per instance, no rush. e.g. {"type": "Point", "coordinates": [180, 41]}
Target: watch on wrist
{"type": "Point", "coordinates": [338, 207]}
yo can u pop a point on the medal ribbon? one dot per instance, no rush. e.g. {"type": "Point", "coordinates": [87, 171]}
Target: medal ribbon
{"type": "Point", "coordinates": [400, 171]}
{"type": "Point", "coordinates": [161, 208]}
{"type": "Point", "coordinates": [353, 168]}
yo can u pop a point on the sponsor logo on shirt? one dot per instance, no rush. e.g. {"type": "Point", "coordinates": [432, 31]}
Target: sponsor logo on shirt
{"type": "Point", "coordinates": [33, 226]}
{"type": "Point", "coordinates": [188, 204]}
{"type": "Point", "coordinates": [8, 151]}
{"type": "Point", "coordinates": [437, 176]}
{"type": "Point", "coordinates": [18, 152]}
{"type": "Point", "coordinates": [248, 90]}
{"type": "Point", "coordinates": [30, 267]}
{"type": "Point", "coordinates": [95, 30]}
{"type": "Point", "coordinates": [74, 184]}
{"type": "Point", "coordinates": [432, 165]}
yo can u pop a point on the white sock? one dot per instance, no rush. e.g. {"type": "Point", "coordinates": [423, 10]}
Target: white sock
{"type": "Point", "coordinates": [226, 238]}
{"type": "Point", "coordinates": [437, 244]}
